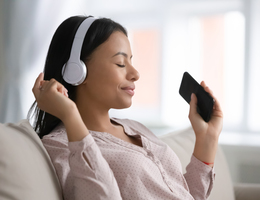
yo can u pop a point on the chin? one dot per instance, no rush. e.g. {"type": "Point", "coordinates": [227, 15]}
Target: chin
{"type": "Point", "coordinates": [123, 105]}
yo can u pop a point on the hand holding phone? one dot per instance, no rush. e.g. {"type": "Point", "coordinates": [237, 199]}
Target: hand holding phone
{"type": "Point", "coordinates": [205, 102]}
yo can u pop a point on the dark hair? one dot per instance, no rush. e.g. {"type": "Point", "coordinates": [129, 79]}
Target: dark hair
{"type": "Point", "coordinates": [58, 55]}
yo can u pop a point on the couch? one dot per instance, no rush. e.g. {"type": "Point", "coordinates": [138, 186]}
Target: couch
{"type": "Point", "coordinates": [26, 171]}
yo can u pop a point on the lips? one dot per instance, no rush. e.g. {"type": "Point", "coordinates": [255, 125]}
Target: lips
{"type": "Point", "coordinates": [129, 90]}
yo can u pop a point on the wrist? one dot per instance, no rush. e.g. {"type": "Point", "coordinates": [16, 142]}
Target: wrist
{"type": "Point", "coordinates": [205, 150]}
{"type": "Point", "coordinates": [69, 113]}
{"type": "Point", "coordinates": [209, 164]}
{"type": "Point", "coordinates": [75, 127]}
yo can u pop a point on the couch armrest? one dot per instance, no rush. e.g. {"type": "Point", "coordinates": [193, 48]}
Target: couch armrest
{"type": "Point", "coordinates": [246, 191]}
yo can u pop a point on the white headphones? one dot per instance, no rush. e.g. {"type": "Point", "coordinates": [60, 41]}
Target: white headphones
{"type": "Point", "coordinates": [75, 71]}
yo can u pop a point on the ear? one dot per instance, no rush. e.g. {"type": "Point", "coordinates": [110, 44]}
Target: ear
{"type": "Point", "coordinates": [84, 82]}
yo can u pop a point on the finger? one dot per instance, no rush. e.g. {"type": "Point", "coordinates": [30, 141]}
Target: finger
{"type": "Point", "coordinates": [217, 111]}
{"type": "Point", "coordinates": [57, 86]}
{"type": "Point", "coordinates": [38, 80]}
{"type": "Point", "coordinates": [65, 93]}
{"type": "Point", "coordinates": [50, 85]}
{"type": "Point", "coordinates": [43, 85]}
{"type": "Point", "coordinates": [60, 87]}
{"type": "Point", "coordinates": [203, 84]}
{"type": "Point", "coordinates": [37, 85]}
{"type": "Point", "coordinates": [206, 88]}
{"type": "Point", "coordinates": [193, 106]}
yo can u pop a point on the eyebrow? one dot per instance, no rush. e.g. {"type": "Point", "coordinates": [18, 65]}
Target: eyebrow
{"type": "Point", "coordinates": [122, 53]}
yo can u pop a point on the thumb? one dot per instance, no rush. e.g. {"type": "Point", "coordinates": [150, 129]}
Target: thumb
{"type": "Point", "coordinates": [193, 106]}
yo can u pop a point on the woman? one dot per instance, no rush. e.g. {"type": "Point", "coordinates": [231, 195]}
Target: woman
{"type": "Point", "coordinates": [98, 157]}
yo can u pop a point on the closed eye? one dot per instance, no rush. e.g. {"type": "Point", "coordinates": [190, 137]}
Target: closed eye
{"type": "Point", "coordinates": [120, 65]}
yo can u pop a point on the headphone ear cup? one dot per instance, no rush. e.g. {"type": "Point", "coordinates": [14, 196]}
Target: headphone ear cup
{"type": "Point", "coordinates": [74, 73]}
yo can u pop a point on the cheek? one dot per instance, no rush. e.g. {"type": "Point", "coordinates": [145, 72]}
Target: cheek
{"type": "Point", "coordinates": [109, 78]}
{"type": "Point", "coordinates": [103, 86]}
{"type": "Point", "coordinates": [104, 79]}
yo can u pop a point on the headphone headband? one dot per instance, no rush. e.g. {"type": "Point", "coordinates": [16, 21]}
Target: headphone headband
{"type": "Point", "coordinates": [74, 71]}
{"type": "Point", "coordinates": [79, 38]}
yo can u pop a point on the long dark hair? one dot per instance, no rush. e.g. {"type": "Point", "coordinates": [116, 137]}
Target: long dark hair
{"type": "Point", "coordinates": [58, 55]}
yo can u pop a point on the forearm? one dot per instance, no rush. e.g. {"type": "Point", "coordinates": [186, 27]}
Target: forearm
{"type": "Point", "coordinates": [75, 127]}
{"type": "Point", "coordinates": [207, 133]}
{"type": "Point", "coordinates": [205, 149]}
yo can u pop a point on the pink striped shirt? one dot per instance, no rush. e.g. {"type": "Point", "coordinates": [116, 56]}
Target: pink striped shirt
{"type": "Point", "coordinates": [116, 169]}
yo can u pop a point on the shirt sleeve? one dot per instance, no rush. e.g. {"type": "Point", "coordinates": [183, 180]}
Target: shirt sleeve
{"type": "Point", "coordinates": [82, 170]}
{"type": "Point", "coordinates": [200, 178]}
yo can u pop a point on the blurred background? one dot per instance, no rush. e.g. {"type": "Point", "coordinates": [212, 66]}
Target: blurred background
{"type": "Point", "coordinates": [217, 41]}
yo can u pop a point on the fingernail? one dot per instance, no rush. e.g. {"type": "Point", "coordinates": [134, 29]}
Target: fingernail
{"type": "Point", "coordinates": [41, 88]}
{"type": "Point", "coordinates": [192, 95]}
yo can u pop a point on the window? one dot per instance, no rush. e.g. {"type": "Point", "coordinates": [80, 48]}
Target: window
{"type": "Point", "coordinates": [210, 47]}
{"type": "Point", "coordinates": [221, 42]}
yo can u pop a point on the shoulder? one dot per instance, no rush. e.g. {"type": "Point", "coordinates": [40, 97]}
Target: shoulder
{"type": "Point", "coordinates": [57, 136]}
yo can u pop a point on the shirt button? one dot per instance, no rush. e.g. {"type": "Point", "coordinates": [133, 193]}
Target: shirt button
{"type": "Point", "coordinates": [168, 183]}
{"type": "Point", "coordinates": [149, 153]}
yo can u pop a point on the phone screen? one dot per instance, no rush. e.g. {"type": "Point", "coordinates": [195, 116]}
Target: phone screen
{"type": "Point", "coordinates": [205, 102]}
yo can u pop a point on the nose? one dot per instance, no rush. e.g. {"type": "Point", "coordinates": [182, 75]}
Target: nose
{"type": "Point", "coordinates": [133, 74]}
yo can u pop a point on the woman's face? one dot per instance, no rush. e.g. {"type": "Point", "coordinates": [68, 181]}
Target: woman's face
{"type": "Point", "coordinates": [111, 76]}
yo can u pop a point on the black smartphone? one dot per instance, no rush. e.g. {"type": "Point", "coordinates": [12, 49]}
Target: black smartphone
{"type": "Point", "coordinates": [205, 102]}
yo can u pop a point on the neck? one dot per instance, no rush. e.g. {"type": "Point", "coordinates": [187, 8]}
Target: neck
{"type": "Point", "coordinates": [95, 117]}
{"type": "Point", "coordinates": [95, 120]}
{"type": "Point", "coordinates": [94, 113]}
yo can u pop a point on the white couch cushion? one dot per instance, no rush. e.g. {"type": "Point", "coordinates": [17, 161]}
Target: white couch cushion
{"type": "Point", "coordinates": [26, 171]}
{"type": "Point", "coordinates": [182, 142]}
